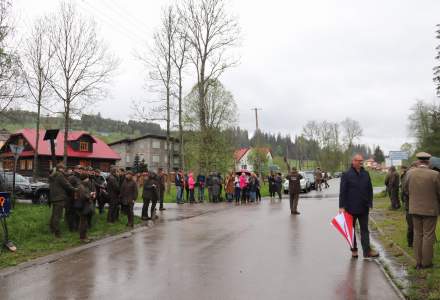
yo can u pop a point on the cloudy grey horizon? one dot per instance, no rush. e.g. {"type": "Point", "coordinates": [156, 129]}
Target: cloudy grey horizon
{"type": "Point", "coordinates": [300, 60]}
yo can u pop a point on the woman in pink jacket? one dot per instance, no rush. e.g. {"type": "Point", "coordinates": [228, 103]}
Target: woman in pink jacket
{"type": "Point", "coordinates": [243, 187]}
{"type": "Point", "coordinates": [191, 184]}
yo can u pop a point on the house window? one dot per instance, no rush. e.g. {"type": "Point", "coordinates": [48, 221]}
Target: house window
{"type": "Point", "coordinates": [127, 158]}
{"type": "Point", "coordinates": [156, 144]}
{"type": "Point", "coordinates": [156, 158]}
{"type": "Point", "coordinates": [244, 167]}
{"type": "Point", "coordinates": [20, 142]}
{"type": "Point", "coordinates": [8, 165]}
{"type": "Point", "coordinates": [83, 146]}
{"type": "Point", "coordinates": [22, 165]}
{"type": "Point", "coordinates": [85, 163]}
{"type": "Point", "coordinates": [29, 164]}
{"type": "Point", "coordinates": [176, 160]}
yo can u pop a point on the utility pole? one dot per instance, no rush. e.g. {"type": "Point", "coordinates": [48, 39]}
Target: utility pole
{"type": "Point", "coordinates": [257, 138]}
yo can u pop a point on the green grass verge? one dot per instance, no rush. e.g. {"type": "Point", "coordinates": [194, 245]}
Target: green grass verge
{"type": "Point", "coordinates": [29, 230]}
{"type": "Point", "coordinates": [377, 178]}
{"type": "Point", "coordinates": [425, 284]}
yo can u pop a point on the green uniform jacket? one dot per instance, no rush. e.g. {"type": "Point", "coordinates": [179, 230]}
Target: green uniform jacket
{"type": "Point", "coordinates": [60, 188]}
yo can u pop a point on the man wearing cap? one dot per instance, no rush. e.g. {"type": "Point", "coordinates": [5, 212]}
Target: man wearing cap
{"type": "Point", "coordinates": [150, 194]}
{"type": "Point", "coordinates": [294, 179]}
{"type": "Point", "coordinates": [129, 193]}
{"type": "Point", "coordinates": [71, 216]}
{"type": "Point", "coordinates": [60, 190]}
{"type": "Point", "coordinates": [423, 187]}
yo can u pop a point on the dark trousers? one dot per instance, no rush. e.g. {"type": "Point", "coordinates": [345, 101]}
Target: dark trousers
{"type": "Point", "coordinates": [365, 233]}
{"type": "Point", "coordinates": [130, 214]}
{"type": "Point", "coordinates": [258, 195]}
{"type": "Point", "coordinates": [191, 196]}
{"type": "Point", "coordinates": [101, 204]}
{"type": "Point", "coordinates": [394, 197]}
{"type": "Point", "coordinates": [279, 193]}
{"type": "Point", "coordinates": [187, 193]}
{"type": "Point", "coordinates": [237, 194]}
{"type": "Point", "coordinates": [409, 230]}
{"type": "Point", "coordinates": [113, 211]}
{"type": "Point", "coordinates": [161, 197]}
{"type": "Point", "coordinates": [147, 201]}
{"type": "Point", "coordinates": [294, 197]}
{"type": "Point", "coordinates": [57, 214]}
{"type": "Point", "coordinates": [244, 195]}
{"type": "Point", "coordinates": [83, 226]}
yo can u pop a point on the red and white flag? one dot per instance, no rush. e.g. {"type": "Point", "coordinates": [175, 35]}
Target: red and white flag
{"type": "Point", "coordinates": [343, 222]}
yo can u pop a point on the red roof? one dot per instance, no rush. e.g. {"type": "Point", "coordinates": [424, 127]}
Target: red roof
{"type": "Point", "coordinates": [238, 154]}
{"type": "Point", "coordinates": [100, 149]}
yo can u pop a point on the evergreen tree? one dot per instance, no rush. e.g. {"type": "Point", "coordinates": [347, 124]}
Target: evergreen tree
{"type": "Point", "coordinates": [378, 155]}
{"type": "Point", "coordinates": [136, 164]}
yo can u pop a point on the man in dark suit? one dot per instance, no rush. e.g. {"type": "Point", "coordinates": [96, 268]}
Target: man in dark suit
{"type": "Point", "coordinates": [356, 197]}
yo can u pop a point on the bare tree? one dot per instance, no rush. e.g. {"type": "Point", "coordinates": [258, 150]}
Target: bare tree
{"type": "Point", "coordinates": [352, 131]}
{"type": "Point", "coordinates": [180, 60]}
{"type": "Point", "coordinates": [83, 63]}
{"type": "Point", "coordinates": [159, 62]}
{"type": "Point", "coordinates": [10, 75]}
{"type": "Point", "coordinates": [211, 33]}
{"type": "Point", "coordinates": [37, 66]}
{"type": "Point", "coordinates": [437, 68]}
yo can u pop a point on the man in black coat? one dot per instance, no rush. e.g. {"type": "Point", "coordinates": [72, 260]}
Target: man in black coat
{"type": "Point", "coordinates": [356, 197]}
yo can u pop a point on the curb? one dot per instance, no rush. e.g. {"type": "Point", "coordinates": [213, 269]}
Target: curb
{"type": "Point", "coordinates": [381, 263]}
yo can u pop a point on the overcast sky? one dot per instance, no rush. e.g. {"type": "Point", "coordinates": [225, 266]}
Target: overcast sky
{"type": "Point", "coordinates": [300, 60]}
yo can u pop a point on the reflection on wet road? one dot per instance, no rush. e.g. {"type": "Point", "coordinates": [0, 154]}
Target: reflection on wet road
{"type": "Point", "coordinates": [243, 252]}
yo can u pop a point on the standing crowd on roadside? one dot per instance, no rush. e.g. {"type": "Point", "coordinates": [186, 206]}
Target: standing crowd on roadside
{"type": "Point", "coordinates": [241, 187]}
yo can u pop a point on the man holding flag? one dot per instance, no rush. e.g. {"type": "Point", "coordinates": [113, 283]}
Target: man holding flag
{"type": "Point", "coordinates": [356, 198]}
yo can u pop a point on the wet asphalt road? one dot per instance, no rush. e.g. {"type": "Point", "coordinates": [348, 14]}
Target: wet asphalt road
{"type": "Point", "coordinates": [215, 252]}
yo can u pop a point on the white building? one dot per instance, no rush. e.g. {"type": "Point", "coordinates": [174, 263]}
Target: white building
{"type": "Point", "coordinates": [243, 162]}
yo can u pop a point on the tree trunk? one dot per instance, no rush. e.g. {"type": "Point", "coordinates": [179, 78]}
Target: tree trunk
{"type": "Point", "coordinates": [66, 132]}
{"type": "Point", "coordinates": [37, 139]}
{"type": "Point", "coordinates": [181, 158]}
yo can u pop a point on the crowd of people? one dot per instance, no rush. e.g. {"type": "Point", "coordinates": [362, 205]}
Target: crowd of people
{"type": "Point", "coordinates": [239, 187]}
{"type": "Point", "coordinates": [79, 191]}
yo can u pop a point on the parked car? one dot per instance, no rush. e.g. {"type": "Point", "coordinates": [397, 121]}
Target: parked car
{"type": "Point", "coordinates": [37, 191]}
{"type": "Point", "coordinates": [310, 175]}
{"type": "Point", "coordinates": [305, 185]}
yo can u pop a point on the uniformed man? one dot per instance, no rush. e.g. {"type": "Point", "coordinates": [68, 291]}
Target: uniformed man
{"type": "Point", "coordinates": [113, 190]}
{"type": "Point", "coordinates": [392, 182]}
{"type": "Point", "coordinates": [60, 192]}
{"type": "Point", "coordinates": [150, 194]}
{"type": "Point", "coordinates": [100, 191]}
{"type": "Point", "coordinates": [318, 179]}
{"type": "Point", "coordinates": [129, 194]}
{"type": "Point", "coordinates": [423, 187]}
{"type": "Point", "coordinates": [84, 206]}
{"type": "Point", "coordinates": [162, 182]}
{"type": "Point", "coordinates": [294, 179]}
{"type": "Point", "coordinates": [71, 216]}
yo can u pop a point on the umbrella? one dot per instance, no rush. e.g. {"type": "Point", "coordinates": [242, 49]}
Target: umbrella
{"type": "Point", "coordinates": [343, 222]}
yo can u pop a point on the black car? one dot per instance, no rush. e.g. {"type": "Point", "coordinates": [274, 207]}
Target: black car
{"type": "Point", "coordinates": [38, 191]}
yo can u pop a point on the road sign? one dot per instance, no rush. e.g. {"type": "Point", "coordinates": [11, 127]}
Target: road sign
{"type": "Point", "coordinates": [398, 155]}
{"type": "Point", "coordinates": [5, 205]}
